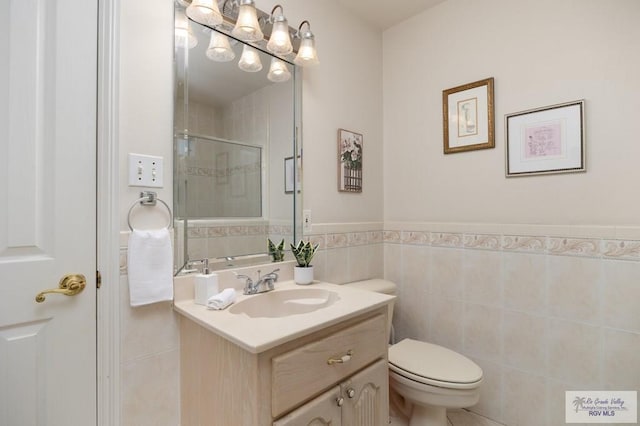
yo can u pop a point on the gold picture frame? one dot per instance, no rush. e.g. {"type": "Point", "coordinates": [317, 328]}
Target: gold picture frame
{"type": "Point", "coordinates": [468, 117]}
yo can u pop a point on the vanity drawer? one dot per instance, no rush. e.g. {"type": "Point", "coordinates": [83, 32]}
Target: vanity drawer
{"type": "Point", "coordinates": [304, 372]}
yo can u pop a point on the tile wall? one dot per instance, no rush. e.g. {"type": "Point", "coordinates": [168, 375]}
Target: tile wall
{"type": "Point", "coordinates": [149, 360]}
{"type": "Point", "coordinates": [539, 313]}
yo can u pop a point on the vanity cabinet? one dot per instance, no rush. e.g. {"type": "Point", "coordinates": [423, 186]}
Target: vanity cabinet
{"type": "Point", "coordinates": [361, 400]}
{"type": "Point", "coordinates": [333, 376]}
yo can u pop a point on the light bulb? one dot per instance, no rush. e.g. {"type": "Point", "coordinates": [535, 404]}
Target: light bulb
{"type": "Point", "coordinates": [205, 12]}
{"type": "Point", "coordinates": [307, 54]}
{"type": "Point", "coordinates": [250, 60]}
{"type": "Point", "coordinates": [183, 35]}
{"type": "Point", "coordinates": [278, 71]}
{"type": "Point", "coordinates": [219, 49]}
{"type": "Point", "coordinates": [247, 27]}
{"type": "Point", "coordinates": [280, 42]}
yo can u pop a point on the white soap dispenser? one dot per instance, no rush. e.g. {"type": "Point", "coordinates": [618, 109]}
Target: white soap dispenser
{"type": "Point", "coordinates": [206, 285]}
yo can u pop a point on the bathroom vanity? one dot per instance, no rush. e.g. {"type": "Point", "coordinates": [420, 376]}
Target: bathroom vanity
{"type": "Point", "coordinates": [293, 356]}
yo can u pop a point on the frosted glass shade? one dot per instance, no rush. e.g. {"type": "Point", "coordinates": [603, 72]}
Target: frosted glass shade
{"type": "Point", "coordinates": [307, 54]}
{"type": "Point", "coordinates": [183, 35]}
{"type": "Point", "coordinates": [250, 60]}
{"type": "Point", "coordinates": [278, 71]}
{"type": "Point", "coordinates": [280, 42]}
{"type": "Point", "coordinates": [247, 27]}
{"type": "Point", "coordinates": [219, 49]}
{"type": "Point", "coordinates": [205, 12]}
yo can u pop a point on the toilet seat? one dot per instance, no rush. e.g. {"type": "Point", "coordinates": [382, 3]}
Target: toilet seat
{"type": "Point", "coordinates": [433, 365]}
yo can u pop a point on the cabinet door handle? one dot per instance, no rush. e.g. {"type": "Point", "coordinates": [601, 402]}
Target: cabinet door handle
{"type": "Point", "coordinates": [344, 358]}
{"type": "Point", "coordinates": [351, 392]}
{"type": "Point", "coordinates": [340, 401]}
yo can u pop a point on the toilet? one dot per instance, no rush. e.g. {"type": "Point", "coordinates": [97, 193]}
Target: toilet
{"type": "Point", "coordinates": [426, 379]}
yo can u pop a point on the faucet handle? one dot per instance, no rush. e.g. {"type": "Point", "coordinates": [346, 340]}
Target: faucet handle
{"type": "Point", "coordinates": [244, 277]}
{"type": "Point", "coordinates": [248, 284]}
{"type": "Point", "coordinates": [273, 274]}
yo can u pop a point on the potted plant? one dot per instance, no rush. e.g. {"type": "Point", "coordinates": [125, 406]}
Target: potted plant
{"type": "Point", "coordinates": [276, 252]}
{"type": "Point", "coordinates": [303, 252]}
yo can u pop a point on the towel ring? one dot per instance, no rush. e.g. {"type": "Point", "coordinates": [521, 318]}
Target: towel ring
{"type": "Point", "coordinates": [148, 198]}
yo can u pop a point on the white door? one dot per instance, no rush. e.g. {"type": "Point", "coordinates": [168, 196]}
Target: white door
{"type": "Point", "coordinates": [48, 75]}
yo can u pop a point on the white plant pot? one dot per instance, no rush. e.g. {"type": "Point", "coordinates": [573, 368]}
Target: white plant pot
{"type": "Point", "coordinates": [303, 275]}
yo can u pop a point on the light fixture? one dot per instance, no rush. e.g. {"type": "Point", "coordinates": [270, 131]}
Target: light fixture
{"type": "Point", "coordinates": [219, 49]}
{"type": "Point", "coordinates": [205, 12]}
{"type": "Point", "coordinates": [183, 35]}
{"type": "Point", "coordinates": [278, 71]}
{"type": "Point", "coordinates": [247, 27]}
{"type": "Point", "coordinates": [250, 60]}
{"type": "Point", "coordinates": [279, 42]}
{"type": "Point", "coordinates": [307, 54]}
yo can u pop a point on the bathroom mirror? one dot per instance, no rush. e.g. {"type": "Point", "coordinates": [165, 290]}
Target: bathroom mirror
{"type": "Point", "coordinates": [234, 134]}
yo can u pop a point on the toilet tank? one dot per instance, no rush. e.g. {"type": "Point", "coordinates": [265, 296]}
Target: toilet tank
{"type": "Point", "coordinates": [379, 285]}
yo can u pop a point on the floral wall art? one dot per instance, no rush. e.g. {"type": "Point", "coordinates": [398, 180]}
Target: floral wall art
{"type": "Point", "coordinates": [349, 161]}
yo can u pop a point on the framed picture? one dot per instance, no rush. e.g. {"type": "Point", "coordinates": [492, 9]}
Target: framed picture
{"type": "Point", "coordinates": [350, 146]}
{"type": "Point", "coordinates": [467, 117]}
{"type": "Point", "coordinates": [289, 175]}
{"type": "Point", "coordinates": [546, 140]}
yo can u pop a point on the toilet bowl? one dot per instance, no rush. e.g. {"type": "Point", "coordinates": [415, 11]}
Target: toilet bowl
{"type": "Point", "coordinates": [426, 379]}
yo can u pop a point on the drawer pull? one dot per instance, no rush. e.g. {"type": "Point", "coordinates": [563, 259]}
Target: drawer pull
{"type": "Point", "coordinates": [343, 359]}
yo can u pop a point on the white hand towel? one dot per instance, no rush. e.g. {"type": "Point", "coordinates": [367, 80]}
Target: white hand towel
{"type": "Point", "coordinates": [221, 300]}
{"type": "Point", "coordinates": [150, 266]}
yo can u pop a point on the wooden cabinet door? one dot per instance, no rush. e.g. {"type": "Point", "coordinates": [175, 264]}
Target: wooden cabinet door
{"type": "Point", "coordinates": [366, 397]}
{"type": "Point", "coordinates": [321, 411]}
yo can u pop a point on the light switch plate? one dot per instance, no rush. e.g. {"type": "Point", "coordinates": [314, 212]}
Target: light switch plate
{"type": "Point", "coordinates": [306, 221]}
{"type": "Point", "coordinates": [145, 170]}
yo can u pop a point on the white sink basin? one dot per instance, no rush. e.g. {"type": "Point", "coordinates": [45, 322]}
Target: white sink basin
{"type": "Point", "coordinates": [284, 303]}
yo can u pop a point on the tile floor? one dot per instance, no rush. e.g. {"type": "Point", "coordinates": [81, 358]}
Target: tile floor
{"type": "Point", "coordinates": [456, 418]}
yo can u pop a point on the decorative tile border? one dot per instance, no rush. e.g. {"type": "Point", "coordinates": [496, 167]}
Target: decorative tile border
{"type": "Point", "coordinates": [220, 231]}
{"type": "Point", "coordinates": [574, 246]}
{"type": "Point", "coordinates": [391, 236]}
{"type": "Point", "coordinates": [540, 244]}
{"type": "Point", "coordinates": [413, 237]}
{"type": "Point", "coordinates": [554, 245]}
{"type": "Point", "coordinates": [524, 243]}
{"type": "Point", "coordinates": [479, 241]}
{"type": "Point", "coordinates": [446, 239]}
{"type": "Point", "coordinates": [337, 240]}
{"type": "Point", "coordinates": [628, 250]}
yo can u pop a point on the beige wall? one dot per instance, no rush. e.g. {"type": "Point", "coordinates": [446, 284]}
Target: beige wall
{"type": "Point", "coordinates": [150, 346]}
{"type": "Point", "coordinates": [529, 277]}
{"type": "Point", "coordinates": [596, 61]}
{"type": "Point", "coordinates": [345, 91]}
{"type": "Point", "coordinates": [540, 53]}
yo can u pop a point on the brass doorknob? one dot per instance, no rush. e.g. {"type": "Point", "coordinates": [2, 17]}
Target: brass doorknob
{"type": "Point", "coordinates": [69, 285]}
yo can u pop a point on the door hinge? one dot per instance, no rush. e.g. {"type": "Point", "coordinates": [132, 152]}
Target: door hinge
{"type": "Point", "coordinates": [98, 279]}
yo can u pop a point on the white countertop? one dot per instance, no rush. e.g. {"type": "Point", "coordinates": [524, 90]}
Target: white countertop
{"type": "Point", "coordinates": [257, 335]}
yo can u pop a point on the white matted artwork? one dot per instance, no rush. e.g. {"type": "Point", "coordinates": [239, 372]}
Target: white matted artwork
{"type": "Point", "coordinates": [546, 140]}
{"type": "Point", "coordinates": [467, 116]}
{"type": "Point", "coordinates": [292, 172]}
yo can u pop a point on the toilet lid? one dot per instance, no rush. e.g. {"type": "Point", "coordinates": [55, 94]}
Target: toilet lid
{"type": "Point", "coordinates": [427, 362]}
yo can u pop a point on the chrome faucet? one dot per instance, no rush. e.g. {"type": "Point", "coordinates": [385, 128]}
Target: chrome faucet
{"type": "Point", "coordinates": [264, 283]}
